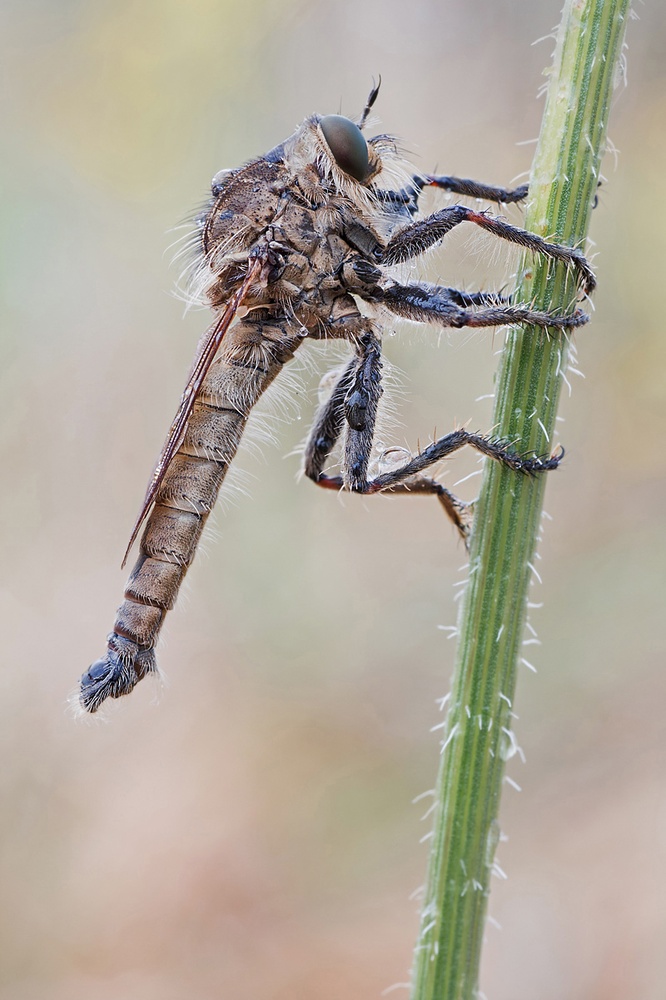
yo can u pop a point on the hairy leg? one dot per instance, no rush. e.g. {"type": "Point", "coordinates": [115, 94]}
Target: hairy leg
{"type": "Point", "coordinates": [451, 308]}
{"type": "Point", "coordinates": [417, 237]}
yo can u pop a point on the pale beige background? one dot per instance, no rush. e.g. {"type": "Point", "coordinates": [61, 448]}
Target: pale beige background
{"type": "Point", "coordinates": [251, 834]}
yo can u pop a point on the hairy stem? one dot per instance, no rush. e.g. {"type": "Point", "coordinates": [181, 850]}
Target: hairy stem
{"type": "Point", "coordinates": [478, 735]}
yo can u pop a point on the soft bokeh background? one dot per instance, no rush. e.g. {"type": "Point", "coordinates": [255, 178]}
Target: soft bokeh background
{"type": "Point", "coordinates": [250, 833]}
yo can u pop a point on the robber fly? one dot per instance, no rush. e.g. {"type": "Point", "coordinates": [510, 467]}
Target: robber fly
{"type": "Point", "coordinates": [287, 246]}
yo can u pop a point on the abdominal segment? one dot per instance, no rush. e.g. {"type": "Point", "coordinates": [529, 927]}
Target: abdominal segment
{"type": "Point", "coordinates": [253, 354]}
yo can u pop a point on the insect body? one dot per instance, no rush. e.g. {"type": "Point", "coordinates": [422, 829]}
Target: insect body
{"type": "Point", "coordinates": [288, 245]}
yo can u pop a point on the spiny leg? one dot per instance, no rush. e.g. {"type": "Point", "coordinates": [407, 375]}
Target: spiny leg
{"type": "Point", "coordinates": [446, 307]}
{"type": "Point", "coordinates": [462, 298]}
{"type": "Point", "coordinates": [360, 410]}
{"type": "Point", "coordinates": [473, 189]}
{"type": "Point", "coordinates": [353, 403]}
{"type": "Point", "coordinates": [417, 237]}
{"type": "Point", "coordinates": [408, 478]}
{"type": "Point", "coordinates": [367, 281]}
{"type": "Point", "coordinates": [437, 303]}
{"type": "Point", "coordinates": [409, 196]}
{"type": "Point", "coordinates": [328, 425]}
{"type": "Point", "coordinates": [457, 510]}
{"type": "Point", "coordinates": [500, 451]}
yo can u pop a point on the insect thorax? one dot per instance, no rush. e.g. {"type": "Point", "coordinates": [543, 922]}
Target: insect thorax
{"type": "Point", "coordinates": [297, 199]}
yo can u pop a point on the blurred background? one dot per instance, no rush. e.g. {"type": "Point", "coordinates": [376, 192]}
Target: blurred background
{"type": "Point", "coordinates": [249, 830]}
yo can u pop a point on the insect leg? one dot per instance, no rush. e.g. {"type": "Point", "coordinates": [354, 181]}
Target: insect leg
{"type": "Point", "coordinates": [448, 307]}
{"type": "Point", "coordinates": [328, 425]}
{"type": "Point", "coordinates": [352, 404]}
{"type": "Point", "coordinates": [473, 189]}
{"type": "Point", "coordinates": [456, 509]}
{"type": "Point", "coordinates": [462, 298]}
{"type": "Point", "coordinates": [408, 478]}
{"type": "Point", "coordinates": [417, 237]}
{"type": "Point", "coordinates": [409, 196]}
{"type": "Point", "coordinates": [360, 410]}
{"type": "Point", "coordinates": [500, 451]}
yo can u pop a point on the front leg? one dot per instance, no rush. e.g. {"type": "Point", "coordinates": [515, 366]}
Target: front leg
{"type": "Point", "coordinates": [408, 197]}
{"type": "Point", "coordinates": [473, 189]}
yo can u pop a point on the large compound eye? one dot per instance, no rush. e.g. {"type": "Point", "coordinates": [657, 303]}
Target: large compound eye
{"type": "Point", "coordinates": [347, 145]}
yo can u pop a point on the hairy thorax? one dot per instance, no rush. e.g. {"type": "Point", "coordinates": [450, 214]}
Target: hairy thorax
{"type": "Point", "coordinates": [304, 221]}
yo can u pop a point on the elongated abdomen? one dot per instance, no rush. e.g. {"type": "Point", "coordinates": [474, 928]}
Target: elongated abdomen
{"type": "Point", "coordinates": [252, 355]}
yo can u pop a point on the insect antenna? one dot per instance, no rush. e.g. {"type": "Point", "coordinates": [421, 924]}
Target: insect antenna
{"type": "Point", "coordinates": [372, 97]}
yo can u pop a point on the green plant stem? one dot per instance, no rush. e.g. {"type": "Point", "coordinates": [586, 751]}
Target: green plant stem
{"type": "Point", "coordinates": [478, 735]}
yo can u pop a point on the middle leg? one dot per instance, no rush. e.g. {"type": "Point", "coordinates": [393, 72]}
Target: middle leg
{"type": "Point", "coordinates": [449, 307]}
